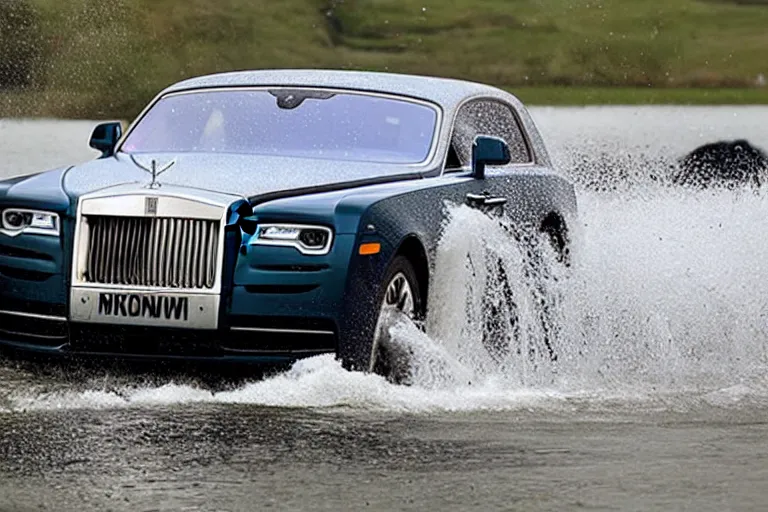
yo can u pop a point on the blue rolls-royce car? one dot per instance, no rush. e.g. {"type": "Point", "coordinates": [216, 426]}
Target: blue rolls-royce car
{"type": "Point", "coordinates": [264, 216]}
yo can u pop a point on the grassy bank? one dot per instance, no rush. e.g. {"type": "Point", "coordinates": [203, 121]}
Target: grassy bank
{"type": "Point", "coordinates": [106, 59]}
{"type": "Point", "coordinates": [563, 95]}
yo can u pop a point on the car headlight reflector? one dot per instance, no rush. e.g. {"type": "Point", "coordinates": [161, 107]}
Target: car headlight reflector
{"type": "Point", "coordinates": [311, 240]}
{"type": "Point", "coordinates": [16, 221]}
{"type": "Point", "coordinates": [314, 238]}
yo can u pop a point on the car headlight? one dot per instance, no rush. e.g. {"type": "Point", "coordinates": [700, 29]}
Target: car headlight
{"type": "Point", "coordinates": [16, 221]}
{"type": "Point", "coordinates": [311, 240]}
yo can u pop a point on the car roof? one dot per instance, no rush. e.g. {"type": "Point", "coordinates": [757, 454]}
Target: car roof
{"type": "Point", "coordinates": [446, 92]}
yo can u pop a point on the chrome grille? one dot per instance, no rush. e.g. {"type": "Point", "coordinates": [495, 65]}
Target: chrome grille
{"type": "Point", "coordinates": [160, 252]}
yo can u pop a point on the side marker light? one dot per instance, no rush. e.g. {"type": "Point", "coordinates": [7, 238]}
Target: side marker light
{"type": "Point", "coordinates": [370, 248]}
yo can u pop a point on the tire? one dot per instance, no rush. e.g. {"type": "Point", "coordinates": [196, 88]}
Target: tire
{"type": "Point", "coordinates": [400, 295]}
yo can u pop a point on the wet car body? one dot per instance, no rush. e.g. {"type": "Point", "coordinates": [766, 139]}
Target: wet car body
{"type": "Point", "coordinates": [167, 247]}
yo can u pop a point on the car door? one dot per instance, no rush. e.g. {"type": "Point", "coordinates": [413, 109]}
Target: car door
{"type": "Point", "coordinates": [495, 118]}
{"type": "Point", "coordinates": [526, 192]}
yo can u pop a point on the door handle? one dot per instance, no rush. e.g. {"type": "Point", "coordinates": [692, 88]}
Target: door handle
{"type": "Point", "coordinates": [485, 200]}
{"type": "Point", "coordinates": [495, 201]}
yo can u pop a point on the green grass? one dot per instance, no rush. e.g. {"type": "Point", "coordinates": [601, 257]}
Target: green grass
{"type": "Point", "coordinates": [107, 59]}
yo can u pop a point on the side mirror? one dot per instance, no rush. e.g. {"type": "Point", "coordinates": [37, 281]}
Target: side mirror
{"type": "Point", "coordinates": [104, 138]}
{"type": "Point", "coordinates": [488, 151]}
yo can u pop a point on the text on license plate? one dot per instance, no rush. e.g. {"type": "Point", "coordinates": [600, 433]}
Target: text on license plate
{"type": "Point", "coordinates": [128, 305]}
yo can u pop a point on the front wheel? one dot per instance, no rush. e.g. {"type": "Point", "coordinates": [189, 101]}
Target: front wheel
{"type": "Point", "coordinates": [400, 299]}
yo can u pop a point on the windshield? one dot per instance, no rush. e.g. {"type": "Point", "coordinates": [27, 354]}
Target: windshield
{"type": "Point", "coordinates": [308, 123]}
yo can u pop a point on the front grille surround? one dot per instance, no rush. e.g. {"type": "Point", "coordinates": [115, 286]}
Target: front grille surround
{"type": "Point", "coordinates": [177, 247]}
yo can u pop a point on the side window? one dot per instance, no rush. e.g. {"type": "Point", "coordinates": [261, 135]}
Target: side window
{"type": "Point", "coordinates": [486, 117]}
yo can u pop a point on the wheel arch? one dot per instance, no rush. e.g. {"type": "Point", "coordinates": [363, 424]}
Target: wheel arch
{"type": "Point", "coordinates": [412, 248]}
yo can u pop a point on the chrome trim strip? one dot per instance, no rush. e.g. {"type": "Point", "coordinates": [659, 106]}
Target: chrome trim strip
{"type": "Point", "coordinates": [281, 331]}
{"type": "Point", "coordinates": [276, 351]}
{"type": "Point", "coordinates": [434, 106]}
{"type": "Point", "coordinates": [29, 335]}
{"type": "Point", "coordinates": [126, 288]}
{"type": "Point", "coordinates": [130, 202]}
{"type": "Point", "coordinates": [34, 315]}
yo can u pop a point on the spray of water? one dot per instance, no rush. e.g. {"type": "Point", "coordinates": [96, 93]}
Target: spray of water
{"type": "Point", "coordinates": [667, 293]}
{"type": "Point", "coordinates": [666, 296]}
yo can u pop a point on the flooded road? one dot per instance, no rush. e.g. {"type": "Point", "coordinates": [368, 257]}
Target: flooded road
{"type": "Point", "coordinates": [253, 458]}
{"type": "Point", "coordinates": [658, 401]}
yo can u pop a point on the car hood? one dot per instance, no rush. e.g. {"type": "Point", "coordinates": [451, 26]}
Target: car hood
{"type": "Point", "coordinates": [245, 176]}
{"type": "Point", "coordinates": [37, 190]}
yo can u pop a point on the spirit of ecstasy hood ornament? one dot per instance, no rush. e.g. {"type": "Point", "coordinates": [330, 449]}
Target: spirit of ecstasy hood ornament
{"type": "Point", "coordinates": [153, 171]}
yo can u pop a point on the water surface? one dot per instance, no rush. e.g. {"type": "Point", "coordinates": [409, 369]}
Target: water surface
{"type": "Point", "coordinates": [658, 399]}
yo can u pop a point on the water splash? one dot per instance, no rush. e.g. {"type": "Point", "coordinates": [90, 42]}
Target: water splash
{"type": "Point", "coordinates": [318, 382]}
{"type": "Point", "coordinates": [668, 293]}
{"type": "Point", "coordinates": [667, 297]}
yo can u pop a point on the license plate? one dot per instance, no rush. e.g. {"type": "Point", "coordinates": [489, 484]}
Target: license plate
{"type": "Point", "coordinates": [124, 307]}
{"type": "Point", "coordinates": [134, 305]}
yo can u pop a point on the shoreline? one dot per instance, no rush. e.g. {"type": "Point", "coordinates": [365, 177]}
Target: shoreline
{"type": "Point", "coordinates": [43, 104]}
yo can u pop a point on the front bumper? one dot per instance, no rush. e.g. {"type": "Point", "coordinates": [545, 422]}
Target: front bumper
{"type": "Point", "coordinates": [281, 307]}
{"type": "Point", "coordinates": [262, 340]}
